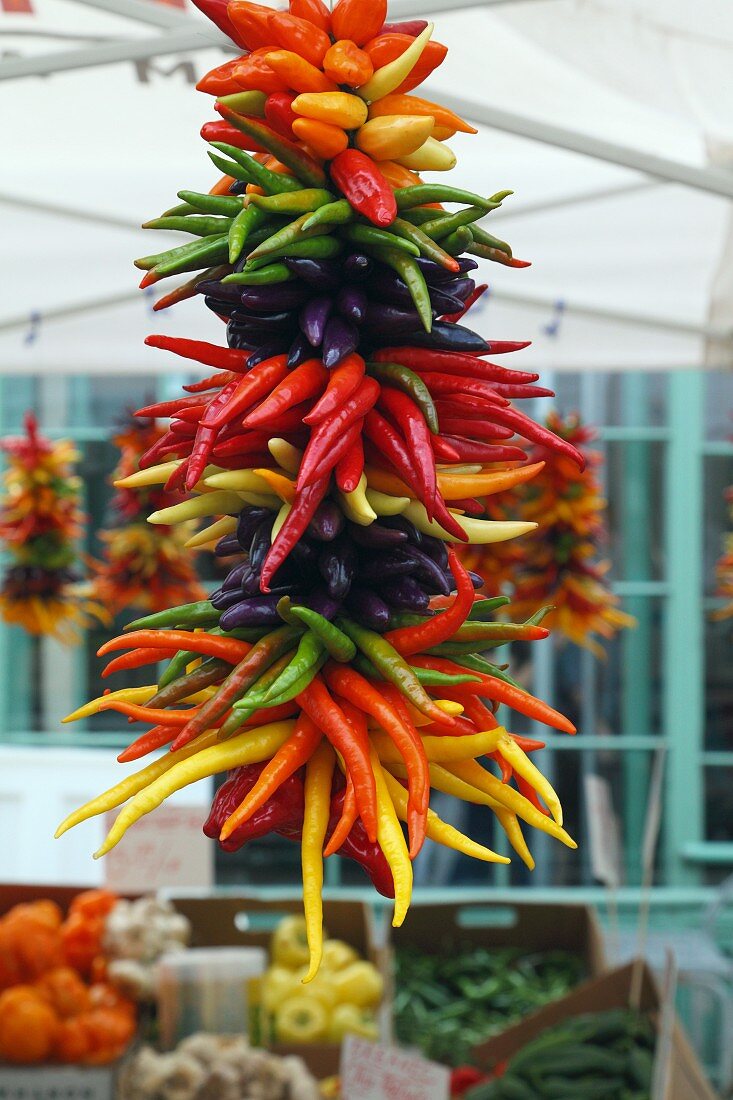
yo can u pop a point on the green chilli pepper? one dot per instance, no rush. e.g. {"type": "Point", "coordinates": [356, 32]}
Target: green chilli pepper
{"type": "Point", "coordinates": [428, 677]}
{"type": "Point", "coordinates": [423, 193]}
{"type": "Point", "coordinates": [292, 156]}
{"type": "Point", "coordinates": [264, 276]}
{"type": "Point", "coordinates": [483, 609]}
{"type": "Point", "coordinates": [459, 241]}
{"type": "Point", "coordinates": [292, 233]}
{"type": "Point", "coordinates": [370, 235]}
{"type": "Point", "coordinates": [246, 103]}
{"type": "Point", "coordinates": [304, 201]}
{"type": "Point", "coordinates": [196, 226]}
{"type": "Point", "coordinates": [187, 257]}
{"type": "Point", "coordinates": [334, 213]}
{"type": "Point", "coordinates": [338, 644]}
{"type": "Point", "coordinates": [410, 383]}
{"type": "Point", "coordinates": [312, 248]}
{"type": "Point", "coordinates": [392, 666]}
{"type": "Point", "coordinates": [212, 671]}
{"type": "Point", "coordinates": [244, 167]}
{"type": "Point", "coordinates": [201, 613]}
{"type": "Point", "coordinates": [410, 274]}
{"type": "Point", "coordinates": [480, 664]}
{"type": "Point", "coordinates": [442, 225]}
{"type": "Point", "coordinates": [480, 236]}
{"type": "Point", "coordinates": [246, 222]}
{"type": "Point", "coordinates": [226, 205]}
{"type": "Point", "coordinates": [310, 649]}
{"type": "Point", "coordinates": [428, 248]}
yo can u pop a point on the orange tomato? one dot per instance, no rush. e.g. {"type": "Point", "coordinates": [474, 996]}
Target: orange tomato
{"type": "Point", "coordinates": [72, 1041]}
{"type": "Point", "coordinates": [44, 911]}
{"type": "Point", "coordinates": [93, 903]}
{"type": "Point", "coordinates": [109, 1032]}
{"type": "Point", "coordinates": [81, 940]}
{"type": "Point", "coordinates": [28, 1026]}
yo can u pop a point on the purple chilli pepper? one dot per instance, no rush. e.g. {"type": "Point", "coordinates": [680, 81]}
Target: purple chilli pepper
{"type": "Point", "coordinates": [327, 522]}
{"type": "Point", "coordinates": [380, 567]}
{"type": "Point", "coordinates": [476, 580]}
{"type": "Point", "coordinates": [254, 611]}
{"type": "Point", "coordinates": [261, 541]}
{"type": "Point", "coordinates": [319, 600]}
{"type": "Point", "coordinates": [356, 267]}
{"type": "Point", "coordinates": [273, 299]}
{"type": "Point", "coordinates": [445, 336]}
{"type": "Point", "coordinates": [322, 275]}
{"type": "Point", "coordinates": [220, 307]}
{"type": "Point", "coordinates": [405, 594]}
{"type": "Point", "coordinates": [351, 303]}
{"type": "Point", "coordinates": [249, 520]}
{"type": "Point", "coordinates": [223, 292]}
{"type": "Point", "coordinates": [436, 549]}
{"type": "Point", "coordinates": [313, 319]}
{"type": "Point", "coordinates": [368, 608]}
{"type": "Point", "coordinates": [400, 523]}
{"type": "Point", "coordinates": [339, 340]}
{"type": "Point", "coordinates": [386, 320]}
{"type": "Point", "coordinates": [378, 536]}
{"type": "Point", "coordinates": [251, 582]}
{"type": "Point", "coordinates": [222, 600]}
{"type": "Point", "coordinates": [444, 303]}
{"type": "Point", "coordinates": [235, 577]}
{"type": "Point", "coordinates": [299, 351]}
{"type": "Point", "coordinates": [388, 287]}
{"type": "Point", "coordinates": [337, 564]}
{"type": "Point", "coordinates": [227, 547]}
{"type": "Point", "coordinates": [428, 571]}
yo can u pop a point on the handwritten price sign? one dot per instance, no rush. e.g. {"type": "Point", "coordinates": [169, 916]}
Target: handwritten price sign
{"type": "Point", "coordinates": [164, 849]}
{"type": "Point", "coordinates": [371, 1072]}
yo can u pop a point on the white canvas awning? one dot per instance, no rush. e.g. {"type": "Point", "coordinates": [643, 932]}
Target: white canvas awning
{"type": "Point", "coordinates": [612, 120]}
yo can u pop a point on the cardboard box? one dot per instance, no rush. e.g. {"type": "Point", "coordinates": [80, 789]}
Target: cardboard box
{"type": "Point", "coordinates": [611, 990]}
{"type": "Point", "coordinates": [436, 929]}
{"type": "Point", "coordinates": [242, 920]}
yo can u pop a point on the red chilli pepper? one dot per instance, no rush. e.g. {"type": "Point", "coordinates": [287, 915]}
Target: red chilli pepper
{"type": "Point", "coordinates": [328, 432]}
{"type": "Point", "coordinates": [280, 114]}
{"type": "Point", "coordinates": [216, 11]}
{"type": "Point", "coordinates": [415, 639]}
{"type": "Point", "coordinates": [293, 529]}
{"type": "Point", "coordinates": [244, 393]}
{"type": "Point", "coordinates": [411, 422]}
{"type": "Point", "coordinates": [350, 467]}
{"type": "Point", "coordinates": [361, 181]}
{"type": "Point", "coordinates": [222, 131]}
{"type": "Point", "coordinates": [136, 659]}
{"type": "Point", "coordinates": [299, 385]}
{"type": "Point", "coordinates": [344, 380]}
{"type": "Point", "coordinates": [476, 293]}
{"type": "Point", "coordinates": [453, 362]}
{"type": "Point", "coordinates": [211, 355]}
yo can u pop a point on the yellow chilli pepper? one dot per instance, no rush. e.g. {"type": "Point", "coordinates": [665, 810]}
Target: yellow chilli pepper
{"type": "Point", "coordinates": [481, 532]}
{"type": "Point", "coordinates": [440, 831]}
{"type": "Point", "coordinates": [227, 525]}
{"type": "Point", "coordinates": [433, 156]}
{"type": "Point", "coordinates": [442, 749]}
{"type": "Point", "coordinates": [384, 504]}
{"type": "Point", "coordinates": [338, 108]}
{"type": "Point", "coordinates": [133, 784]}
{"type": "Point", "coordinates": [392, 842]}
{"type": "Point", "coordinates": [455, 486]}
{"type": "Point", "coordinates": [474, 773]}
{"type": "Point", "coordinates": [523, 766]}
{"type": "Point", "coordinates": [318, 776]}
{"type": "Point", "coordinates": [356, 506]}
{"type": "Point", "coordinates": [393, 136]}
{"type": "Point", "coordinates": [279, 520]}
{"type": "Point", "coordinates": [515, 836]}
{"type": "Point", "coordinates": [209, 504]}
{"type": "Point", "coordinates": [250, 747]}
{"type": "Point", "coordinates": [243, 481]}
{"type": "Point", "coordinates": [390, 76]}
{"type": "Point", "coordinates": [154, 475]}
{"type": "Point", "coordinates": [285, 454]}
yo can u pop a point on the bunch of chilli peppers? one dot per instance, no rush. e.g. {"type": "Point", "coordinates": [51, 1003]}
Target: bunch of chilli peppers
{"type": "Point", "coordinates": [563, 567]}
{"type": "Point", "coordinates": [142, 566]}
{"type": "Point", "coordinates": [347, 437]}
{"type": "Point", "coordinates": [40, 521]}
{"type": "Point", "coordinates": [724, 568]}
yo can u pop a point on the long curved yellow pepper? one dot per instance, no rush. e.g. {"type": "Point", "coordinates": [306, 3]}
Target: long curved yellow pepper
{"type": "Point", "coordinates": [477, 776]}
{"type": "Point", "coordinates": [440, 831]}
{"type": "Point", "coordinates": [402, 104]}
{"type": "Point", "coordinates": [247, 748]}
{"type": "Point", "coordinates": [227, 525]}
{"type": "Point", "coordinates": [456, 484]}
{"type": "Point", "coordinates": [523, 766]}
{"type": "Point", "coordinates": [510, 824]}
{"type": "Point", "coordinates": [392, 842]}
{"type": "Point", "coordinates": [285, 454]}
{"type": "Point", "coordinates": [318, 776]}
{"type": "Point", "coordinates": [390, 76]}
{"type": "Point", "coordinates": [393, 136]}
{"type": "Point", "coordinates": [341, 109]}
{"type": "Point", "coordinates": [384, 504]}
{"type": "Point", "coordinates": [356, 506]}
{"type": "Point", "coordinates": [133, 784]}
{"type": "Point", "coordinates": [442, 749]}
{"type": "Point", "coordinates": [481, 532]}
{"type": "Point", "coordinates": [242, 481]}
{"type": "Point", "coordinates": [138, 695]}
{"type": "Point", "coordinates": [433, 156]}
{"type": "Point", "coordinates": [208, 504]}
{"type": "Point", "coordinates": [158, 475]}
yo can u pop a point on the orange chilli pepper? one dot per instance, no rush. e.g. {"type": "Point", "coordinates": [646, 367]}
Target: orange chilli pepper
{"type": "Point", "coordinates": [345, 63]}
{"type": "Point", "coordinates": [388, 47]}
{"type": "Point", "coordinates": [349, 811]}
{"type": "Point", "coordinates": [298, 35]}
{"type": "Point", "coordinates": [400, 104]}
{"type": "Point", "coordinates": [220, 81]}
{"type": "Point", "coordinates": [298, 73]}
{"type": "Point", "coordinates": [251, 21]}
{"type": "Point", "coordinates": [322, 138]}
{"type": "Point", "coordinates": [357, 20]}
{"type": "Point", "coordinates": [396, 175]}
{"type": "Point", "coordinates": [313, 11]}
{"type": "Point", "coordinates": [254, 74]}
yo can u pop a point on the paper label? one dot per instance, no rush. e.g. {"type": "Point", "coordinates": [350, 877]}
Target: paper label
{"type": "Point", "coordinates": [372, 1072]}
{"type": "Point", "coordinates": [162, 850]}
{"type": "Point", "coordinates": [605, 845]}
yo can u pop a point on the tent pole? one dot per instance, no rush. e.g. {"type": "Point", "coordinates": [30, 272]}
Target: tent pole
{"type": "Point", "coordinates": [70, 212]}
{"type": "Point", "coordinates": [717, 181]}
{"type": "Point", "coordinates": [541, 207]}
{"type": "Point", "coordinates": [107, 53]}
{"type": "Point", "coordinates": [403, 9]}
{"type": "Point", "coordinates": [142, 11]}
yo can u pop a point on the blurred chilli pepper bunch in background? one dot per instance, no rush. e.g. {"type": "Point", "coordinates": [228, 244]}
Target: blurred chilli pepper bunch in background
{"type": "Point", "coordinates": [142, 566]}
{"type": "Point", "coordinates": [340, 441]}
{"type": "Point", "coordinates": [40, 521]}
{"type": "Point", "coordinates": [724, 568]}
{"type": "Point", "coordinates": [560, 565]}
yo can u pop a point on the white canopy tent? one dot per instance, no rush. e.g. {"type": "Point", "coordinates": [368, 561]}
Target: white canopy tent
{"type": "Point", "coordinates": [611, 119]}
